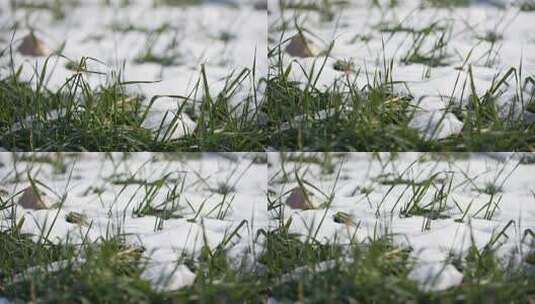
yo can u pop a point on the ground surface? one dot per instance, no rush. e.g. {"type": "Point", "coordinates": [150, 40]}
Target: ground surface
{"type": "Point", "coordinates": [144, 40]}
{"type": "Point", "coordinates": [437, 207]}
{"type": "Point", "coordinates": [175, 58]}
{"type": "Point", "coordinates": [170, 208]}
{"type": "Point", "coordinates": [431, 75]}
{"type": "Point", "coordinates": [167, 227]}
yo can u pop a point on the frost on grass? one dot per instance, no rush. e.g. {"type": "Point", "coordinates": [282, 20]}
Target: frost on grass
{"type": "Point", "coordinates": [466, 68]}
{"type": "Point", "coordinates": [169, 58]}
{"type": "Point", "coordinates": [441, 213]}
{"type": "Point", "coordinates": [162, 214]}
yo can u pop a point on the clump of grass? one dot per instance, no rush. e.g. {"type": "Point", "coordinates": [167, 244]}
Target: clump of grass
{"type": "Point", "coordinates": [168, 57]}
{"type": "Point", "coordinates": [372, 117]}
{"type": "Point", "coordinates": [107, 270]}
{"type": "Point", "coordinates": [491, 37]}
{"type": "Point", "coordinates": [302, 268]}
{"type": "Point", "coordinates": [32, 268]}
{"type": "Point", "coordinates": [315, 118]}
{"type": "Point", "coordinates": [306, 118]}
{"type": "Point", "coordinates": [418, 204]}
{"type": "Point", "coordinates": [224, 188]}
{"type": "Point", "coordinates": [77, 116]}
{"type": "Point", "coordinates": [491, 189]}
{"type": "Point", "coordinates": [362, 279]}
{"type": "Point", "coordinates": [218, 281]}
{"type": "Point", "coordinates": [284, 251]}
{"type": "Point", "coordinates": [439, 37]}
{"type": "Point", "coordinates": [312, 270]}
{"type": "Point", "coordinates": [163, 210]}
{"type": "Point", "coordinates": [105, 276]}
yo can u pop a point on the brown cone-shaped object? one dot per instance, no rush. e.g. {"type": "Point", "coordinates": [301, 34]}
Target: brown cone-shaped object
{"type": "Point", "coordinates": [299, 47]}
{"type": "Point", "coordinates": [31, 200]}
{"type": "Point", "coordinates": [33, 46]}
{"type": "Point", "coordinates": [298, 199]}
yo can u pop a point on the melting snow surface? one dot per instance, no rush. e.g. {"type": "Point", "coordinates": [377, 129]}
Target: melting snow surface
{"type": "Point", "coordinates": [365, 193]}
{"type": "Point", "coordinates": [144, 42]}
{"type": "Point", "coordinates": [105, 191]}
{"type": "Point", "coordinates": [491, 36]}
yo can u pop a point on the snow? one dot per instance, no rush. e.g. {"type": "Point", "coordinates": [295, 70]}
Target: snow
{"type": "Point", "coordinates": [372, 189]}
{"type": "Point", "coordinates": [375, 209]}
{"type": "Point", "coordinates": [165, 276]}
{"type": "Point", "coordinates": [436, 277]}
{"type": "Point", "coordinates": [355, 30]}
{"type": "Point", "coordinates": [224, 36]}
{"type": "Point", "coordinates": [94, 190]}
{"type": "Point", "coordinates": [436, 124]}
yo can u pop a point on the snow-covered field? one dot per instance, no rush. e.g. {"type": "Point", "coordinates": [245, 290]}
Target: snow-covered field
{"type": "Point", "coordinates": [438, 205]}
{"type": "Point", "coordinates": [156, 46]}
{"type": "Point", "coordinates": [434, 46]}
{"type": "Point", "coordinates": [167, 204]}
{"type": "Point", "coordinates": [435, 206]}
{"type": "Point", "coordinates": [272, 215]}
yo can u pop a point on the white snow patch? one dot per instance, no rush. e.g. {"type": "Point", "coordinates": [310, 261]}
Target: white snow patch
{"type": "Point", "coordinates": [436, 277]}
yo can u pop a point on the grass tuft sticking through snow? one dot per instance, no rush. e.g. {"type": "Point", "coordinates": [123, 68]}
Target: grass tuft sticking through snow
{"type": "Point", "coordinates": [78, 117]}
